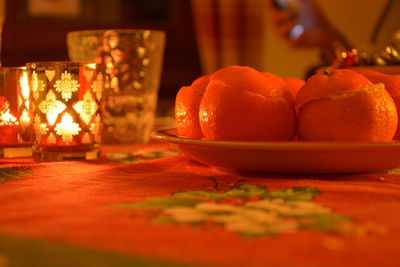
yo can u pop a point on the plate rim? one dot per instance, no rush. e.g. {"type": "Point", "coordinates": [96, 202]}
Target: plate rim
{"type": "Point", "coordinates": [170, 136]}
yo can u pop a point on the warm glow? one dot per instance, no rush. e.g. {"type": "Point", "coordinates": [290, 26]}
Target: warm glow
{"type": "Point", "coordinates": [92, 65]}
{"type": "Point", "coordinates": [88, 74]}
{"type": "Point", "coordinates": [51, 107]}
{"type": "Point", "coordinates": [37, 85]}
{"type": "Point", "coordinates": [40, 127]}
{"type": "Point", "coordinates": [24, 84]}
{"type": "Point", "coordinates": [95, 127]}
{"type": "Point", "coordinates": [86, 139]}
{"type": "Point", "coordinates": [6, 118]}
{"type": "Point", "coordinates": [86, 107]}
{"type": "Point", "coordinates": [50, 74]}
{"type": "Point", "coordinates": [51, 139]}
{"type": "Point", "coordinates": [25, 119]}
{"type": "Point", "coordinates": [97, 86]}
{"type": "Point", "coordinates": [66, 85]}
{"type": "Point", "coordinates": [67, 128]}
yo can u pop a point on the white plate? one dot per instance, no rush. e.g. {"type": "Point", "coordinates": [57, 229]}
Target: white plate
{"type": "Point", "coordinates": [287, 157]}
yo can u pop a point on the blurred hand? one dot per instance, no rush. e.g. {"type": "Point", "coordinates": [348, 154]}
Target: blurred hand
{"type": "Point", "coordinates": [303, 24]}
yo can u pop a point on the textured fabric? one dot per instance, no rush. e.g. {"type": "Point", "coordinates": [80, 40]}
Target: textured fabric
{"type": "Point", "coordinates": [149, 202]}
{"type": "Point", "coordinates": [229, 32]}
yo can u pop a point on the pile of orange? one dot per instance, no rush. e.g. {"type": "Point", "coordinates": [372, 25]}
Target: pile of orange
{"type": "Point", "coordinates": [242, 104]}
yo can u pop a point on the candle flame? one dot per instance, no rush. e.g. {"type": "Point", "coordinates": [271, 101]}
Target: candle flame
{"type": "Point", "coordinates": [25, 119]}
{"type": "Point", "coordinates": [6, 118]}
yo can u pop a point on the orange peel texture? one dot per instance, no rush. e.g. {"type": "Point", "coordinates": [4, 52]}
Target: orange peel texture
{"type": "Point", "coordinates": [243, 104]}
{"type": "Point", "coordinates": [392, 85]}
{"type": "Point", "coordinates": [187, 104]}
{"type": "Point", "coordinates": [294, 84]}
{"type": "Point", "coordinates": [345, 106]}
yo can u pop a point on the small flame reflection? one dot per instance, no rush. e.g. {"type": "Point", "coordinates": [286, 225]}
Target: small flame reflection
{"type": "Point", "coordinates": [6, 118]}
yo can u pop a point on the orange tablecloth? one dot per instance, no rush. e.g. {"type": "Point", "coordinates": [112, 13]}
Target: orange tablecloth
{"type": "Point", "coordinates": [148, 206]}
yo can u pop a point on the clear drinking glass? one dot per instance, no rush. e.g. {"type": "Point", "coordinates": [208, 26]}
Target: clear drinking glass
{"type": "Point", "coordinates": [66, 110]}
{"type": "Point", "coordinates": [132, 60]}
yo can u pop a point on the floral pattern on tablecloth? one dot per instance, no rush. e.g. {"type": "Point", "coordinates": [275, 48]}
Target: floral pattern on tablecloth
{"type": "Point", "coordinates": [250, 210]}
{"type": "Point", "coordinates": [141, 155]}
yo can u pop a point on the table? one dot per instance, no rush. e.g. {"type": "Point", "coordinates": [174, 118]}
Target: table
{"type": "Point", "coordinates": [150, 206]}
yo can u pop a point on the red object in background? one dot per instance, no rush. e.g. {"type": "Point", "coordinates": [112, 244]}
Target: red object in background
{"type": "Point", "coordinates": [346, 59]}
{"type": "Point", "coordinates": [350, 60]}
{"type": "Point", "coordinates": [3, 103]}
{"type": "Point", "coordinates": [9, 134]}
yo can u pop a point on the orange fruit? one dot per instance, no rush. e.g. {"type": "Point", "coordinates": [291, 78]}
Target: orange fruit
{"type": "Point", "coordinates": [241, 103]}
{"type": "Point", "coordinates": [294, 84]}
{"type": "Point", "coordinates": [247, 78]}
{"type": "Point", "coordinates": [345, 106]}
{"type": "Point", "coordinates": [392, 85]}
{"type": "Point", "coordinates": [391, 81]}
{"type": "Point", "coordinates": [329, 83]}
{"type": "Point", "coordinates": [187, 104]}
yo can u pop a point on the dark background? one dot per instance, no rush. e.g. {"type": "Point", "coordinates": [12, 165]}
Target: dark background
{"type": "Point", "coordinates": [43, 38]}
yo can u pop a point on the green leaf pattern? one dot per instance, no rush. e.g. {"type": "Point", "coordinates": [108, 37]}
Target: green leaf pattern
{"type": "Point", "coordinates": [249, 209]}
{"type": "Point", "coordinates": [13, 173]}
{"type": "Point", "coordinates": [140, 155]}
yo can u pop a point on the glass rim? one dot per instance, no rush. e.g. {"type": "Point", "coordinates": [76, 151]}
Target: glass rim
{"type": "Point", "coordinates": [13, 68]}
{"type": "Point", "coordinates": [61, 63]}
{"type": "Point", "coordinates": [118, 30]}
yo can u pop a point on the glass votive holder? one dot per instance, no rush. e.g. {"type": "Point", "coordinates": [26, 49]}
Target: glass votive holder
{"type": "Point", "coordinates": [66, 110]}
{"type": "Point", "coordinates": [15, 118]}
{"type": "Point", "coordinates": [132, 60]}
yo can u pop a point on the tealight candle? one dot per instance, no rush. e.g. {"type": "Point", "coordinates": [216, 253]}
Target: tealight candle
{"type": "Point", "coordinates": [66, 99]}
{"type": "Point", "coordinates": [15, 119]}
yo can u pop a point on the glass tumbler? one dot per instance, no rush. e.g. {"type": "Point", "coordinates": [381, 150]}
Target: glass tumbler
{"type": "Point", "coordinates": [66, 110]}
{"type": "Point", "coordinates": [15, 116]}
{"type": "Point", "coordinates": [133, 62]}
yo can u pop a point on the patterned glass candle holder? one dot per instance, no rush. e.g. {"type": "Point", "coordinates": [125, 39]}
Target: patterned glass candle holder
{"type": "Point", "coordinates": [133, 61]}
{"type": "Point", "coordinates": [15, 118]}
{"type": "Point", "coordinates": [66, 110]}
